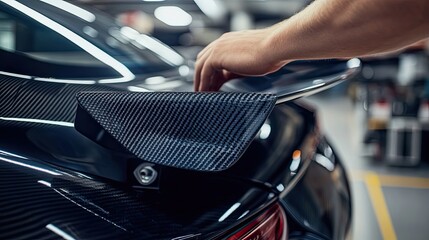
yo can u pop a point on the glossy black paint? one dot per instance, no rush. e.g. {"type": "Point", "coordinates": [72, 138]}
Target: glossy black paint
{"type": "Point", "coordinates": [54, 179]}
{"type": "Point", "coordinates": [35, 196]}
{"type": "Point", "coordinates": [190, 201]}
{"type": "Point", "coordinates": [326, 187]}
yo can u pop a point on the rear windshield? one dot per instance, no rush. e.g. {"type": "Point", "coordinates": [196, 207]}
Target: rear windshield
{"type": "Point", "coordinates": [51, 42]}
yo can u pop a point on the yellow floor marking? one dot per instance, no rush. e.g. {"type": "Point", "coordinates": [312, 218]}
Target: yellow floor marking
{"type": "Point", "coordinates": [393, 180]}
{"type": "Point", "coordinates": [379, 204]}
{"type": "Point", "coordinates": [405, 182]}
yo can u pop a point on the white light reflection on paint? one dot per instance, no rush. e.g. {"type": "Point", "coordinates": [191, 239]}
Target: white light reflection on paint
{"type": "Point", "coordinates": [129, 33]}
{"type": "Point", "coordinates": [155, 80]}
{"type": "Point", "coordinates": [83, 175]}
{"type": "Point", "coordinates": [137, 89]}
{"type": "Point", "coordinates": [170, 85]}
{"type": "Point", "coordinates": [294, 165]}
{"type": "Point", "coordinates": [143, 41]}
{"type": "Point", "coordinates": [189, 236]}
{"type": "Point", "coordinates": [280, 187]}
{"type": "Point", "coordinates": [159, 48]}
{"type": "Point", "coordinates": [66, 81]}
{"type": "Point", "coordinates": [265, 131]}
{"type": "Point", "coordinates": [59, 232]}
{"type": "Point", "coordinates": [229, 211]}
{"type": "Point", "coordinates": [244, 214]}
{"type": "Point", "coordinates": [79, 41]}
{"type": "Point", "coordinates": [296, 161]}
{"type": "Point", "coordinates": [12, 155]}
{"type": "Point", "coordinates": [325, 162]}
{"type": "Point", "coordinates": [30, 166]}
{"type": "Point", "coordinates": [30, 120]}
{"type": "Point", "coordinates": [72, 9]}
{"type": "Point", "coordinates": [15, 75]}
{"type": "Point", "coordinates": [90, 31]}
{"type": "Point", "coordinates": [328, 152]}
{"type": "Point", "coordinates": [353, 63]}
{"type": "Point", "coordinates": [48, 184]}
{"type": "Point", "coordinates": [318, 82]}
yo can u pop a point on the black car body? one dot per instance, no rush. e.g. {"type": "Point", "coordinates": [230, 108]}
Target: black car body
{"type": "Point", "coordinates": [55, 182]}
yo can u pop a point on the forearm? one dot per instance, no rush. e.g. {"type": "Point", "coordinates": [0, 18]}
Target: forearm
{"type": "Point", "coordinates": [339, 28]}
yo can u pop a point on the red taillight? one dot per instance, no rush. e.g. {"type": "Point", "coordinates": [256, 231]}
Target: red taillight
{"type": "Point", "coordinates": [271, 225]}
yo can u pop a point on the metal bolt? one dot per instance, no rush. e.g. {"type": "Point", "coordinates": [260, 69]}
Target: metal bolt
{"type": "Point", "coordinates": [145, 174]}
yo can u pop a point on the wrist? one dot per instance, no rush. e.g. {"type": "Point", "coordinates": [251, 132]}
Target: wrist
{"type": "Point", "coordinates": [277, 47]}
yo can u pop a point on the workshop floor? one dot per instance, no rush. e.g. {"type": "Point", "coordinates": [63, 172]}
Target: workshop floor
{"type": "Point", "coordinates": [389, 202]}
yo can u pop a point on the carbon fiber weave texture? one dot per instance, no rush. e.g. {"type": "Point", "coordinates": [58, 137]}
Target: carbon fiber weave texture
{"type": "Point", "coordinates": [23, 98]}
{"type": "Point", "coordinates": [197, 131]}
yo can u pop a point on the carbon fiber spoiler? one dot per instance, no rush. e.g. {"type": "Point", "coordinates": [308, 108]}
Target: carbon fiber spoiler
{"type": "Point", "coordinates": [298, 79]}
{"type": "Point", "coordinates": [199, 131]}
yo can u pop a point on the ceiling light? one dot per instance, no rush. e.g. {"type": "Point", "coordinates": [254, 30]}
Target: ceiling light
{"type": "Point", "coordinates": [173, 16]}
{"type": "Point", "coordinates": [211, 8]}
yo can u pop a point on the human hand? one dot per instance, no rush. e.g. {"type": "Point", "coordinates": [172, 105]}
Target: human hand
{"type": "Point", "coordinates": [244, 53]}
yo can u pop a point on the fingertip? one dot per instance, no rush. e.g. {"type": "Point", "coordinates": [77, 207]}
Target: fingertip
{"type": "Point", "coordinates": [205, 78]}
{"type": "Point", "coordinates": [199, 69]}
{"type": "Point", "coordinates": [197, 75]}
{"type": "Point", "coordinates": [196, 85]}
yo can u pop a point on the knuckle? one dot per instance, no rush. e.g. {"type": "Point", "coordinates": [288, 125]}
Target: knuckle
{"type": "Point", "coordinates": [225, 35]}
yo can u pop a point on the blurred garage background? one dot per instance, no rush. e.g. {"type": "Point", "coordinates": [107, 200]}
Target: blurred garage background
{"type": "Point", "coordinates": [378, 122]}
